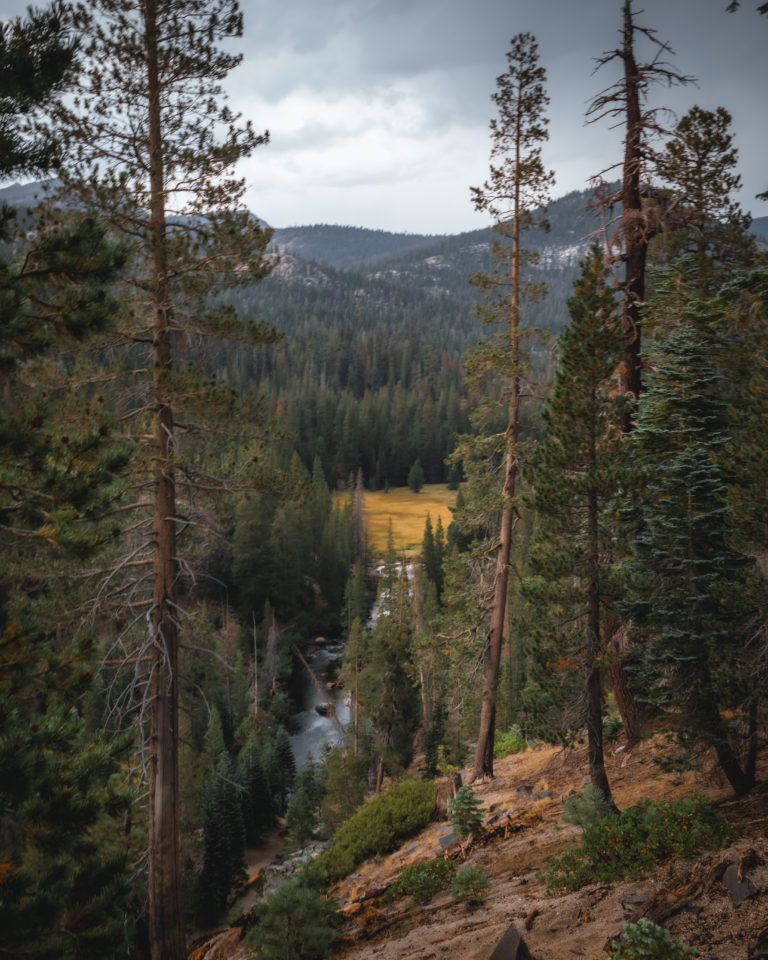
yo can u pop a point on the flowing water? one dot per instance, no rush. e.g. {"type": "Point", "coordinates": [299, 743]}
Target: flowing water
{"type": "Point", "coordinates": [315, 730]}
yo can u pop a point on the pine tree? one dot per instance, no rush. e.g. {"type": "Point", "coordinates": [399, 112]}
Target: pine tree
{"type": "Point", "coordinates": [518, 184]}
{"type": "Point", "coordinates": [345, 784]}
{"type": "Point", "coordinates": [416, 477]}
{"type": "Point", "coordinates": [386, 691]}
{"type": "Point", "coordinates": [699, 164]}
{"type": "Point", "coordinates": [256, 798]}
{"type": "Point", "coordinates": [575, 478]}
{"type": "Point", "coordinates": [151, 147]}
{"type": "Point", "coordinates": [689, 594]}
{"type": "Point", "coordinates": [64, 884]}
{"type": "Point", "coordinates": [223, 864]}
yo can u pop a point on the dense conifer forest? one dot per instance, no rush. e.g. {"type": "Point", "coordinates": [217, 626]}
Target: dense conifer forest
{"type": "Point", "coordinates": [194, 407]}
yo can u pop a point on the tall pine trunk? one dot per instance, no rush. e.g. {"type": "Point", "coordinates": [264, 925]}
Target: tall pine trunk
{"type": "Point", "coordinates": [517, 185]}
{"type": "Point", "coordinates": [166, 929]}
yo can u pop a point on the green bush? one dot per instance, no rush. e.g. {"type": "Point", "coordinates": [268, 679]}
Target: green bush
{"type": "Point", "coordinates": [612, 727]}
{"type": "Point", "coordinates": [470, 885]}
{"type": "Point", "coordinates": [645, 940]}
{"type": "Point", "coordinates": [423, 880]}
{"type": "Point", "coordinates": [629, 843]}
{"type": "Point", "coordinates": [587, 807]}
{"type": "Point", "coordinates": [296, 922]}
{"type": "Point", "coordinates": [465, 812]}
{"type": "Point", "coordinates": [379, 827]}
{"type": "Point", "coordinates": [510, 742]}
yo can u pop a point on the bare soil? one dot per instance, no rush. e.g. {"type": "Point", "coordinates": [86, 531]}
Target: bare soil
{"type": "Point", "coordinates": [523, 803]}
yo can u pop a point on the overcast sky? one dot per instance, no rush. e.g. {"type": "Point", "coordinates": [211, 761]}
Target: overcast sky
{"type": "Point", "coordinates": [378, 110]}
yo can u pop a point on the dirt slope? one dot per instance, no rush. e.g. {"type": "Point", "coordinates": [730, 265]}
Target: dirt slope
{"type": "Point", "coordinates": [524, 806]}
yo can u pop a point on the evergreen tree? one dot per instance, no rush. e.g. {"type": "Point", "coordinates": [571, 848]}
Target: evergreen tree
{"type": "Point", "coordinates": [224, 834]}
{"type": "Point", "coordinates": [386, 690]}
{"type": "Point", "coordinates": [301, 819]}
{"type": "Point", "coordinates": [689, 594]}
{"type": "Point", "coordinates": [64, 881]}
{"type": "Point", "coordinates": [416, 477]}
{"type": "Point", "coordinates": [518, 184]}
{"type": "Point", "coordinates": [296, 922]}
{"type": "Point", "coordinates": [644, 212]}
{"type": "Point", "coordinates": [150, 146]}
{"type": "Point", "coordinates": [280, 768]}
{"type": "Point", "coordinates": [575, 479]}
{"type": "Point", "coordinates": [699, 163]}
{"type": "Point", "coordinates": [256, 798]}
{"type": "Point", "coordinates": [64, 885]}
{"type": "Point", "coordinates": [346, 777]}
{"type": "Point", "coordinates": [641, 213]}
{"type": "Point", "coordinates": [39, 57]}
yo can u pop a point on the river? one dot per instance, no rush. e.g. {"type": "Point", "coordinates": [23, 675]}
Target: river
{"type": "Point", "coordinates": [314, 731]}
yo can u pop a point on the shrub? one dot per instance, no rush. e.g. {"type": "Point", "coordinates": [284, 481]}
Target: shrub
{"type": "Point", "coordinates": [379, 826]}
{"type": "Point", "coordinates": [645, 940]}
{"type": "Point", "coordinates": [294, 923]}
{"type": "Point", "coordinates": [465, 812]}
{"type": "Point", "coordinates": [510, 742]}
{"type": "Point", "coordinates": [470, 885]}
{"type": "Point", "coordinates": [587, 807]}
{"type": "Point", "coordinates": [629, 843]}
{"type": "Point", "coordinates": [612, 727]}
{"type": "Point", "coordinates": [423, 880]}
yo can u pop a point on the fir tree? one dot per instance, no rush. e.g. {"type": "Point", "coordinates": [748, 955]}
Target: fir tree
{"type": "Point", "coordinates": [575, 479]}
{"type": "Point", "coordinates": [644, 212]}
{"type": "Point", "coordinates": [223, 864]}
{"type": "Point", "coordinates": [256, 798]}
{"type": "Point", "coordinates": [300, 819]}
{"type": "Point", "coordinates": [416, 477]}
{"type": "Point", "coordinates": [688, 593]}
{"type": "Point", "coordinates": [345, 784]}
{"type": "Point", "coordinates": [386, 690]}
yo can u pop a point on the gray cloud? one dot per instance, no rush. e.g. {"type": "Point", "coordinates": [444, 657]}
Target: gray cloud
{"type": "Point", "coordinates": [379, 109]}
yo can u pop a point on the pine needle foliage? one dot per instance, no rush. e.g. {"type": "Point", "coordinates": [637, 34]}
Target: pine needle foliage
{"type": "Point", "coordinates": [379, 826]}
{"type": "Point", "coordinates": [646, 940]}
{"type": "Point", "coordinates": [518, 184]}
{"type": "Point", "coordinates": [577, 469]}
{"type": "Point", "coordinates": [692, 597]}
{"type": "Point", "coordinates": [466, 812]}
{"type": "Point", "coordinates": [630, 843]}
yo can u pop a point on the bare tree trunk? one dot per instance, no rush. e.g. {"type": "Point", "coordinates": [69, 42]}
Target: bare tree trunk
{"type": "Point", "coordinates": [634, 715]}
{"type": "Point", "coordinates": [633, 229]}
{"type": "Point", "coordinates": [483, 763]}
{"type": "Point", "coordinates": [166, 928]}
{"type": "Point", "coordinates": [594, 681]}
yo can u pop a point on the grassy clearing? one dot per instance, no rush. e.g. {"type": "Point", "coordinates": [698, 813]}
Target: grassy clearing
{"type": "Point", "coordinates": [408, 513]}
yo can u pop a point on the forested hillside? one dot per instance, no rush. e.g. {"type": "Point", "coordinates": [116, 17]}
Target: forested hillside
{"type": "Point", "coordinates": [370, 372]}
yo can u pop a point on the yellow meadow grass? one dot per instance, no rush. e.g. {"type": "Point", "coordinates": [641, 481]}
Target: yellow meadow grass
{"type": "Point", "coordinates": [408, 513]}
